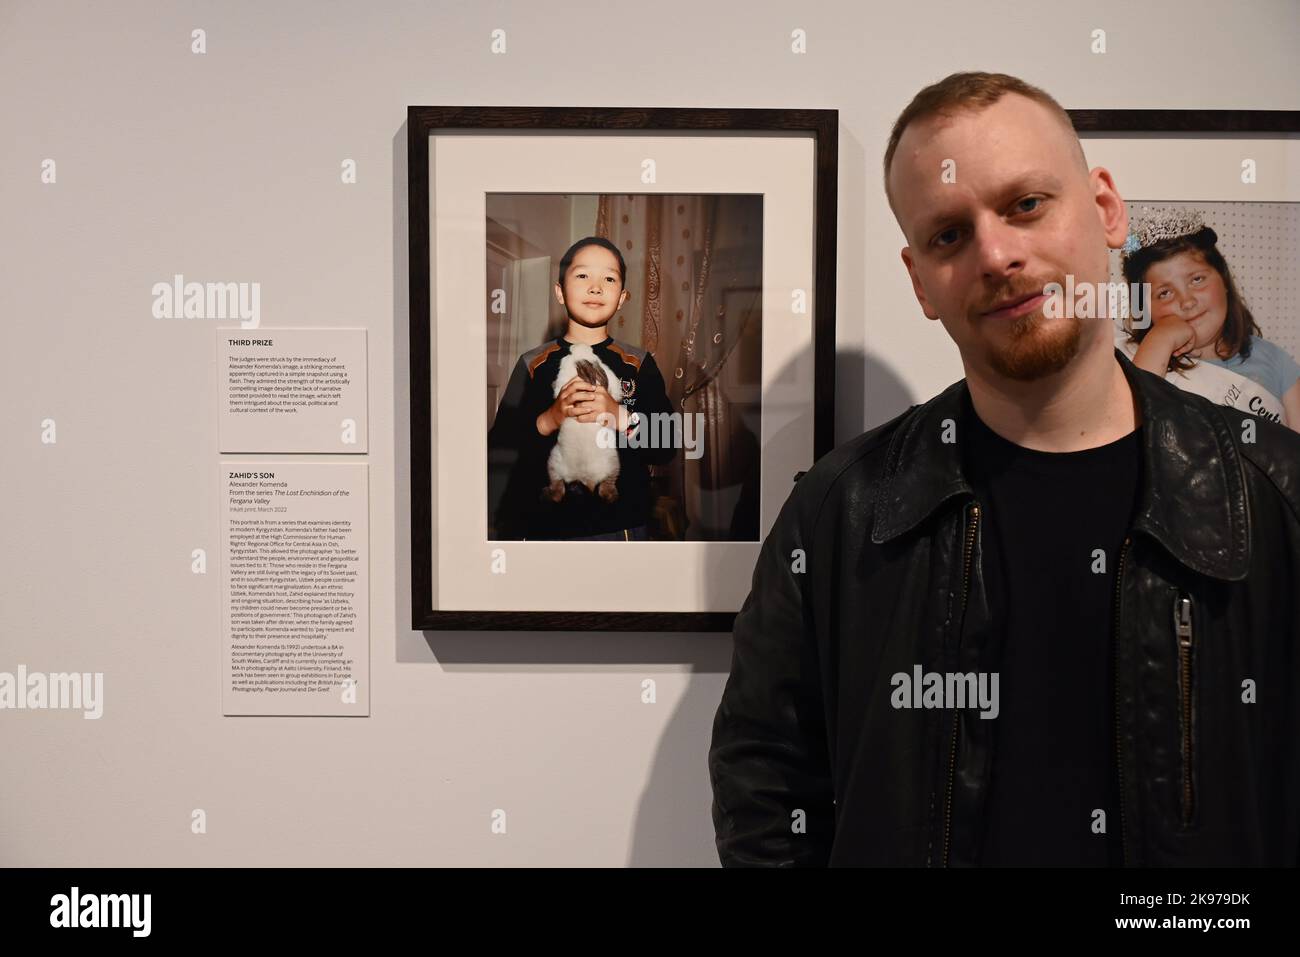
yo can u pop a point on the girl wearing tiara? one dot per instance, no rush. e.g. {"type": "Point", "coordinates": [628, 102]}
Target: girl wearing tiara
{"type": "Point", "coordinates": [1201, 336]}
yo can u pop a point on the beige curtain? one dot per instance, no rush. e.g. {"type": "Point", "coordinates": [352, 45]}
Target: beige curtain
{"type": "Point", "coordinates": [694, 277]}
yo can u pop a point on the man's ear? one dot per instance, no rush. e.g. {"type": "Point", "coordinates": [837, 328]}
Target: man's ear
{"type": "Point", "coordinates": [1111, 208]}
{"type": "Point", "coordinates": [930, 311]}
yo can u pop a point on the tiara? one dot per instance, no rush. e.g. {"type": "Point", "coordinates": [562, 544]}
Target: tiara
{"type": "Point", "coordinates": [1167, 222]}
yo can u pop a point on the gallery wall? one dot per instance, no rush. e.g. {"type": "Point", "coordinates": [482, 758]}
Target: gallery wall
{"type": "Point", "coordinates": [225, 165]}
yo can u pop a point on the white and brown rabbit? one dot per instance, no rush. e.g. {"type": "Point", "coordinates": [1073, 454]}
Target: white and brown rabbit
{"type": "Point", "coordinates": [577, 455]}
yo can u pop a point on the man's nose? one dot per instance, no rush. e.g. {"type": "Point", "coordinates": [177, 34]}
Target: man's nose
{"type": "Point", "coordinates": [999, 245]}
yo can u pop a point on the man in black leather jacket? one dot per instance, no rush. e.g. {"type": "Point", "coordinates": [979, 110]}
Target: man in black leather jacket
{"type": "Point", "coordinates": [878, 565]}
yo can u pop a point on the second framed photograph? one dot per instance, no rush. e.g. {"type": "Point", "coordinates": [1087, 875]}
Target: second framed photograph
{"type": "Point", "coordinates": [622, 357]}
{"type": "Point", "coordinates": [1210, 266]}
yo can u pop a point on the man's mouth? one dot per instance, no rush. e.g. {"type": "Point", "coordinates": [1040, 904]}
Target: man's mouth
{"type": "Point", "coordinates": [592, 302]}
{"type": "Point", "coordinates": [1019, 306]}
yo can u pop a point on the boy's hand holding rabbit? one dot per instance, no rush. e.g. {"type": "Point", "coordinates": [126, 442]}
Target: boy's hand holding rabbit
{"type": "Point", "coordinates": [585, 402]}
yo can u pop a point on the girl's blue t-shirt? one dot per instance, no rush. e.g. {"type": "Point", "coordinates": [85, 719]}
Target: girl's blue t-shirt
{"type": "Point", "coordinates": [1269, 365]}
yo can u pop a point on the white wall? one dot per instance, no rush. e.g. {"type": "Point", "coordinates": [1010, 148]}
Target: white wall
{"type": "Point", "coordinates": [226, 166]}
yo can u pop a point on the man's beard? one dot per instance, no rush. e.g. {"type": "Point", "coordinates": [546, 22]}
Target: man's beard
{"type": "Point", "coordinates": [1035, 346]}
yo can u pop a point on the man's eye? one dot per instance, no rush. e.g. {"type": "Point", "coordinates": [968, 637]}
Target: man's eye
{"type": "Point", "coordinates": [1029, 199]}
{"type": "Point", "coordinates": [947, 232]}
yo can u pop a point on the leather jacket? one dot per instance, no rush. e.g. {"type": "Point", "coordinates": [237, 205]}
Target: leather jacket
{"type": "Point", "coordinates": [874, 565]}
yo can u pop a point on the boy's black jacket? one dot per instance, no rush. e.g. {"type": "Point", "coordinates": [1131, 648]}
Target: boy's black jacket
{"type": "Point", "coordinates": [893, 579]}
{"type": "Point", "coordinates": [515, 444]}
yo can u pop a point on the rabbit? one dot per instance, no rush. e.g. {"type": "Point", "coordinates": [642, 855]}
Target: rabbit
{"type": "Point", "coordinates": [576, 456]}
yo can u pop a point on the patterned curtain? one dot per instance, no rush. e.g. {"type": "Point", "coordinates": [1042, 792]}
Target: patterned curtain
{"type": "Point", "coordinates": [694, 277]}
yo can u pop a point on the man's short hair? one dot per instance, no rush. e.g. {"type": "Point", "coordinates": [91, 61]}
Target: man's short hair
{"type": "Point", "coordinates": [970, 91]}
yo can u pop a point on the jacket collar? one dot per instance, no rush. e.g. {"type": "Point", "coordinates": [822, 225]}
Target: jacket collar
{"type": "Point", "coordinates": [1192, 498]}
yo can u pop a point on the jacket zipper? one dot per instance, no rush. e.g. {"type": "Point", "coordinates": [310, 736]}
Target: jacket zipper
{"type": "Point", "coordinates": [1183, 628]}
{"type": "Point", "coordinates": [968, 549]}
{"type": "Point", "coordinates": [1119, 758]}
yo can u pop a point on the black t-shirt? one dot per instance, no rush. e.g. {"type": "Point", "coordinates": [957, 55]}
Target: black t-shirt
{"type": "Point", "coordinates": [517, 453]}
{"type": "Point", "coordinates": [1043, 516]}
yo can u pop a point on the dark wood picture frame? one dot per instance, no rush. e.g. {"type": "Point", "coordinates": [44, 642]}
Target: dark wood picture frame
{"type": "Point", "coordinates": [822, 126]}
{"type": "Point", "coordinates": [1185, 121]}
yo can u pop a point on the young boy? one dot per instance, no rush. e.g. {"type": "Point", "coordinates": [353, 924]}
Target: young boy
{"type": "Point", "coordinates": [590, 287]}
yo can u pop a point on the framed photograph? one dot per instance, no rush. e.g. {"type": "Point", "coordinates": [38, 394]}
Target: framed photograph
{"type": "Point", "coordinates": [1213, 255]}
{"type": "Point", "coordinates": [622, 334]}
